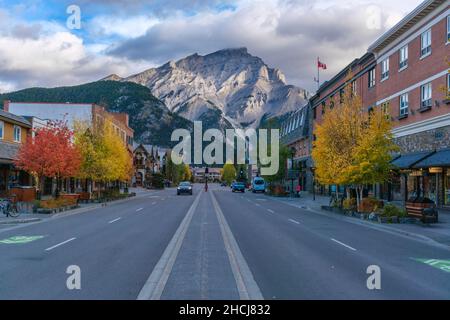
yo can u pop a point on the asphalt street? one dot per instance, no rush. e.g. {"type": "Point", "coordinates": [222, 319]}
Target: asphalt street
{"type": "Point", "coordinates": [214, 245]}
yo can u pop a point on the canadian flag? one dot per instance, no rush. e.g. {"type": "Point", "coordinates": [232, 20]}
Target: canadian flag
{"type": "Point", "coordinates": [321, 65]}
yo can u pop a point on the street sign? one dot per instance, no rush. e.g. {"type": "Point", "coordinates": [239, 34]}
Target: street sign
{"type": "Point", "coordinates": [20, 239]}
{"type": "Point", "coordinates": [443, 265]}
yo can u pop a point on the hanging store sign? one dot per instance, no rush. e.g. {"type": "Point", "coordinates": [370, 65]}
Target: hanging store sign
{"type": "Point", "coordinates": [416, 173]}
{"type": "Point", "coordinates": [436, 170]}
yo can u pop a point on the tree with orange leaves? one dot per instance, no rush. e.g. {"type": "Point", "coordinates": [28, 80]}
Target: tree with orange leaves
{"type": "Point", "coordinates": [50, 153]}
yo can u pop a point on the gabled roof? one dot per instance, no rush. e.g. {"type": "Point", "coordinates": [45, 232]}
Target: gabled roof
{"type": "Point", "coordinates": [15, 118]}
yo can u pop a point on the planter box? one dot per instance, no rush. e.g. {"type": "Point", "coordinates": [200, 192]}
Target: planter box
{"type": "Point", "coordinates": [384, 220]}
{"type": "Point", "coordinates": [408, 220]}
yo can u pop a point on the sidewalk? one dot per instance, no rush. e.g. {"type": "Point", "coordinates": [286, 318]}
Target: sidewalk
{"type": "Point", "coordinates": [27, 217]}
{"type": "Point", "coordinates": [439, 232]}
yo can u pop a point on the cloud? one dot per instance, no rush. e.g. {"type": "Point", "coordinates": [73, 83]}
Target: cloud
{"type": "Point", "coordinates": [287, 34]}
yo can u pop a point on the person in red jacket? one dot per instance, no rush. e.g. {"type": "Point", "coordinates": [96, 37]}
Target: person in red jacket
{"type": "Point", "coordinates": [299, 189]}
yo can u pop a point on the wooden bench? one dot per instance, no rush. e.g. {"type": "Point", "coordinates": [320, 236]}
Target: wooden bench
{"type": "Point", "coordinates": [426, 213]}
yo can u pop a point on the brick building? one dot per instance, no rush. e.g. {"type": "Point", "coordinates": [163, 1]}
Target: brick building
{"type": "Point", "coordinates": [404, 72]}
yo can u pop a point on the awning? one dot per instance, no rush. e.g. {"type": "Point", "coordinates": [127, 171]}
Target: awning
{"type": "Point", "coordinates": [406, 161]}
{"type": "Point", "coordinates": [437, 159]}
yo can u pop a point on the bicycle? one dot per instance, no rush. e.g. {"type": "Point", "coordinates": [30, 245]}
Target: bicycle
{"type": "Point", "coordinates": [9, 208]}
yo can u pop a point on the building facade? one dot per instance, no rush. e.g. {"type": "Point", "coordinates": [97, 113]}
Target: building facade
{"type": "Point", "coordinates": [14, 131]}
{"type": "Point", "coordinates": [295, 134]}
{"type": "Point", "coordinates": [147, 160]}
{"type": "Point", "coordinates": [72, 112]}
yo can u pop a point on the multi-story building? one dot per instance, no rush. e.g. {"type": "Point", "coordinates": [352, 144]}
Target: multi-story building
{"type": "Point", "coordinates": [412, 82]}
{"type": "Point", "coordinates": [406, 73]}
{"type": "Point", "coordinates": [294, 134]}
{"type": "Point", "coordinates": [72, 112]}
{"type": "Point", "coordinates": [14, 131]}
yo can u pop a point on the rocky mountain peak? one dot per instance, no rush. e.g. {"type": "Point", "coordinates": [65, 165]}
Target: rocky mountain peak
{"type": "Point", "coordinates": [229, 86]}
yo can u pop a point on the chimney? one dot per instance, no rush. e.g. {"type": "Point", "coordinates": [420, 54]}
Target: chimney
{"type": "Point", "coordinates": [6, 105]}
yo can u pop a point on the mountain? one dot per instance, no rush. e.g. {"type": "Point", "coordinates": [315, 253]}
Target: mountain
{"type": "Point", "coordinates": [228, 88]}
{"type": "Point", "coordinates": [152, 122]}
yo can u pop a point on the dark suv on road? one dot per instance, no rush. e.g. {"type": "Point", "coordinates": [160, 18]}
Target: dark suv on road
{"type": "Point", "coordinates": [184, 188]}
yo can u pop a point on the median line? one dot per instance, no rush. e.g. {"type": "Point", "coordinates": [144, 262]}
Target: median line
{"type": "Point", "coordinates": [60, 244]}
{"type": "Point", "coordinates": [343, 244]}
{"type": "Point", "coordinates": [247, 287]}
{"type": "Point", "coordinates": [115, 220]}
{"type": "Point", "coordinates": [156, 282]}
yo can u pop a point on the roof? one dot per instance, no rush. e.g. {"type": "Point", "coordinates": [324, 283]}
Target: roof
{"type": "Point", "coordinates": [15, 118]}
{"type": "Point", "coordinates": [406, 161]}
{"type": "Point", "coordinates": [405, 24]}
{"type": "Point", "coordinates": [437, 159]}
{"type": "Point", "coordinates": [8, 151]}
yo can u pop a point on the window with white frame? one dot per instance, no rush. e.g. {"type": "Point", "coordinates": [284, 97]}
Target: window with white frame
{"type": "Point", "coordinates": [372, 78]}
{"type": "Point", "coordinates": [385, 69]}
{"type": "Point", "coordinates": [354, 88]}
{"type": "Point", "coordinates": [2, 129]}
{"type": "Point", "coordinates": [426, 95]}
{"type": "Point", "coordinates": [404, 105]}
{"type": "Point", "coordinates": [403, 63]}
{"type": "Point", "coordinates": [426, 43]}
{"type": "Point", "coordinates": [17, 133]}
{"type": "Point", "coordinates": [448, 29]}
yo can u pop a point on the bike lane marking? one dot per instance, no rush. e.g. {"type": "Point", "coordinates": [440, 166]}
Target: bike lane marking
{"type": "Point", "coordinates": [443, 265]}
{"type": "Point", "coordinates": [20, 239]}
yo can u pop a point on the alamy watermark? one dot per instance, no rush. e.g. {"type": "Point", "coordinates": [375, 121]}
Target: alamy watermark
{"type": "Point", "coordinates": [73, 282]}
{"type": "Point", "coordinates": [251, 147]}
{"type": "Point", "coordinates": [74, 20]}
{"type": "Point", "coordinates": [374, 280]}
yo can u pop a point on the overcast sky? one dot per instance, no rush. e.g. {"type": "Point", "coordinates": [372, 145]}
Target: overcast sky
{"type": "Point", "coordinates": [125, 37]}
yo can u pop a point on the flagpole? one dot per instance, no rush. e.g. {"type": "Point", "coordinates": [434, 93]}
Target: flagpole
{"type": "Point", "coordinates": [318, 74]}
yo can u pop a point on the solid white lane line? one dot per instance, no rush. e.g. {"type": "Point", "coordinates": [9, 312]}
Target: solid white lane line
{"type": "Point", "coordinates": [60, 244]}
{"type": "Point", "coordinates": [343, 244]}
{"type": "Point", "coordinates": [115, 220]}
{"type": "Point", "coordinates": [156, 282]}
{"type": "Point", "coordinates": [294, 221]}
{"type": "Point", "coordinates": [271, 211]}
{"type": "Point", "coordinates": [247, 287]}
{"type": "Point", "coordinates": [140, 209]}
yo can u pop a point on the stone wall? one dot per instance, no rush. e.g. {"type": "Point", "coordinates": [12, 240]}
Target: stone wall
{"type": "Point", "coordinates": [431, 140]}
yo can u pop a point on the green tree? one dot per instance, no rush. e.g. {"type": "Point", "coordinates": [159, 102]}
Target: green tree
{"type": "Point", "coordinates": [228, 173]}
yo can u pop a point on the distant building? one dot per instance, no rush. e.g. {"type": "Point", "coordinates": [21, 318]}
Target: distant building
{"type": "Point", "coordinates": [214, 175]}
{"type": "Point", "coordinates": [147, 160]}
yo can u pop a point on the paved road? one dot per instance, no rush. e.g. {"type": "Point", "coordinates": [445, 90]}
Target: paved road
{"type": "Point", "coordinates": [215, 245]}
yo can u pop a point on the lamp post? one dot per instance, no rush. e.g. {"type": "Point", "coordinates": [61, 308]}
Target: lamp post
{"type": "Point", "coordinates": [293, 151]}
{"type": "Point", "coordinates": [313, 170]}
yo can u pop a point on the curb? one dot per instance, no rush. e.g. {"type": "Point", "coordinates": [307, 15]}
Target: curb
{"type": "Point", "coordinates": [373, 225]}
{"type": "Point", "coordinates": [20, 221]}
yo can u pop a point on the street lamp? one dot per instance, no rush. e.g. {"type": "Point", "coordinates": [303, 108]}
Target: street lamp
{"type": "Point", "coordinates": [293, 151]}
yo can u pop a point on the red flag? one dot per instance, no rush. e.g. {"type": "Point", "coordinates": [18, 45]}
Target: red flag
{"type": "Point", "coordinates": [321, 65]}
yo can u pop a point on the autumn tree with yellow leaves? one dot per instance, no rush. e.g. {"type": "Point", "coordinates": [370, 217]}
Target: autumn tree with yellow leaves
{"type": "Point", "coordinates": [353, 147]}
{"type": "Point", "coordinates": [105, 157]}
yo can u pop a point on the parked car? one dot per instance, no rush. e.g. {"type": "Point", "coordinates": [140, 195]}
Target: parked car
{"type": "Point", "coordinates": [258, 185]}
{"type": "Point", "coordinates": [224, 184]}
{"type": "Point", "coordinates": [238, 187]}
{"type": "Point", "coordinates": [184, 188]}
